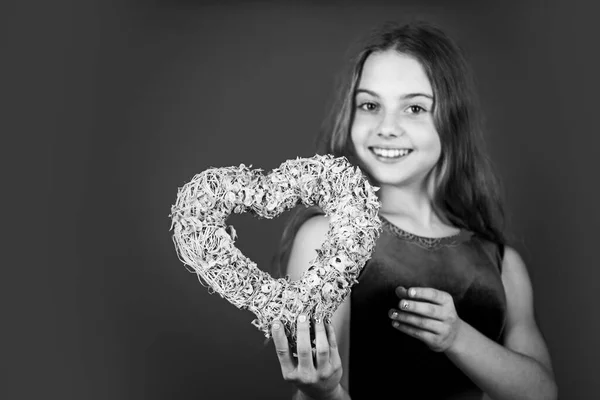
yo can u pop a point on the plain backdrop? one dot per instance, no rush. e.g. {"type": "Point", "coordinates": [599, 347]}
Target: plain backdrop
{"type": "Point", "coordinates": [109, 107]}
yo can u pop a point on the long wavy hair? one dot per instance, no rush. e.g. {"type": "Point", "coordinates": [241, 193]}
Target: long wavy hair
{"type": "Point", "coordinates": [466, 189]}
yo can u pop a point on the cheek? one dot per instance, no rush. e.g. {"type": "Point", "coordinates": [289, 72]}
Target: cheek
{"type": "Point", "coordinates": [433, 149]}
{"type": "Point", "coordinates": [355, 136]}
{"type": "Point", "coordinates": [437, 144]}
{"type": "Point", "coordinates": [427, 136]}
{"type": "Point", "coordinates": [359, 131]}
{"type": "Point", "coordinates": [434, 142]}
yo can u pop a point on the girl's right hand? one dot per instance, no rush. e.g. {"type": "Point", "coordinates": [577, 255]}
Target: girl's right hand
{"type": "Point", "coordinates": [318, 378]}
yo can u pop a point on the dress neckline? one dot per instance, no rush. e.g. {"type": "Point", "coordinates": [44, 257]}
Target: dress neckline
{"type": "Point", "coordinates": [423, 241]}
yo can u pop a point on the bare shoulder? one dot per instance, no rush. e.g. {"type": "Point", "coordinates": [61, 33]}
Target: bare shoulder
{"type": "Point", "coordinates": [515, 276]}
{"type": "Point", "coordinates": [309, 238]}
{"type": "Point", "coordinates": [512, 257]}
{"type": "Point", "coordinates": [315, 225]}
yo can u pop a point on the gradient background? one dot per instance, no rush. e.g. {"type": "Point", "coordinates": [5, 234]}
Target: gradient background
{"type": "Point", "coordinates": [109, 107]}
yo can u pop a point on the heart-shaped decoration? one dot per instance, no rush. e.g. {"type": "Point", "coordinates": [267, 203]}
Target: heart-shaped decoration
{"type": "Point", "coordinates": [205, 244]}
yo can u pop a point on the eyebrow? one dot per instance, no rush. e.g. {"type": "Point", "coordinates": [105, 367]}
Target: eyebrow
{"type": "Point", "coordinates": [406, 96]}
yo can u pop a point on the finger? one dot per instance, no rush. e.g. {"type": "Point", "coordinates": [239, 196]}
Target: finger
{"type": "Point", "coordinates": [304, 349]}
{"type": "Point", "coordinates": [429, 294]}
{"type": "Point", "coordinates": [423, 308]}
{"type": "Point", "coordinates": [417, 321]}
{"type": "Point", "coordinates": [410, 330]}
{"type": "Point", "coordinates": [282, 348]}
{"type": "Point", "coordinates": [334, 354]}
{"type": "Point", "coordinates": [401, 292]}
{"type": "Point", "coordinates": [322, 344]}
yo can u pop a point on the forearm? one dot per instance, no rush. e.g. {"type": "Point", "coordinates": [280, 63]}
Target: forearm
{"type": "Point", "coordinates": [501, 373]}
{"type": "Point", "coordinates": [339, 394]}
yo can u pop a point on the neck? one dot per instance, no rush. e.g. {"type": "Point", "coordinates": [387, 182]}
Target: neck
{"type": "Point", "coordinates": [412, 209]}
{"type": "Point", "coordinates": [403, 203]}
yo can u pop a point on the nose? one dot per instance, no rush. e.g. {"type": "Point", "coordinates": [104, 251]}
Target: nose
{"type": "Point", "coordinates": [390, 126]}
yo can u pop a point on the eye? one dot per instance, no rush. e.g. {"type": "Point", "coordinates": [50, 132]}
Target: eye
{"type": "Point", "coordinates": [415, 109]}
{"type": "Point", "coordinates": [368, 106]}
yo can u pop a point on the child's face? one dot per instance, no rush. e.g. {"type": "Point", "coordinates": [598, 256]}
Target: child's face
{"type": "Point", "coordinates": [393, 114]}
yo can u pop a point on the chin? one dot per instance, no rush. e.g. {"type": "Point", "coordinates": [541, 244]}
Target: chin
{"type": "Point", "coordinates": [397, 178]}
{"type": "Point", "coordinates": [389, 179]}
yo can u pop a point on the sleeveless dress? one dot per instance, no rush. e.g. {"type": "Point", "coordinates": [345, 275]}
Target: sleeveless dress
{"type": "Point", "coordinates": [386, 363]}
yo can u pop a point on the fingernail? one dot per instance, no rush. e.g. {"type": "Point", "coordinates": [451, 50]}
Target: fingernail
{"type": "Point", "coordinates": [395, 324]}
{"type": "Point", "coordinates": [394, 314]}
{"type": "Point", "coordinates": [276, 326]}
{"type": "Point", "coordinates": [317, 320]}
{"type": "Point", "coordinates": [302, 318]}
{"type": "Point", "coordinates": [413, 292]}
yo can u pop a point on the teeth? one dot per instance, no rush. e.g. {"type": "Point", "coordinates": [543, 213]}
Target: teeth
{"type": "Point", "coordinates": [390, 153]}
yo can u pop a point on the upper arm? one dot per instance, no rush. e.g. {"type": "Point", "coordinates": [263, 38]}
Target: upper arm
{"type": "Point", "coordinates": [521, 333]}
{"type": "Point", "coordinates": [309, 238]}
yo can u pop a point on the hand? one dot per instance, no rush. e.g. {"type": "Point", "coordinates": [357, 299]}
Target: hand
{"type": "Point", "coordinates": [318, 377]}
{"type": "Point", "coordinates": [428, 315]}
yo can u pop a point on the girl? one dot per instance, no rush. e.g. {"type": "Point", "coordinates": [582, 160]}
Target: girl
{"type": "Point", "coordinates": [442, 310]}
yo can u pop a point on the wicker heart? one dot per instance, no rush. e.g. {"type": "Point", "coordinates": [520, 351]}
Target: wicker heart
{"type": "Point", "coordinates": [206, 245]}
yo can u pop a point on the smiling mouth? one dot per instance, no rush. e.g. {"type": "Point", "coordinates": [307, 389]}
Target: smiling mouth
{"type": "Point", "coordinates": [390, 154]}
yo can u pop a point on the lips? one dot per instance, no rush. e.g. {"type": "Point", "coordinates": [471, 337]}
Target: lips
{"type": "Point", "coordinates": [390, 147]}
{"type": "Point", "coordinates": [390, 153]}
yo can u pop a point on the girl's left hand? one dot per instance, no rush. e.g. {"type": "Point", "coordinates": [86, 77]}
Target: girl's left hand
{"type": "Point", "coordinates": [427, 314]}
